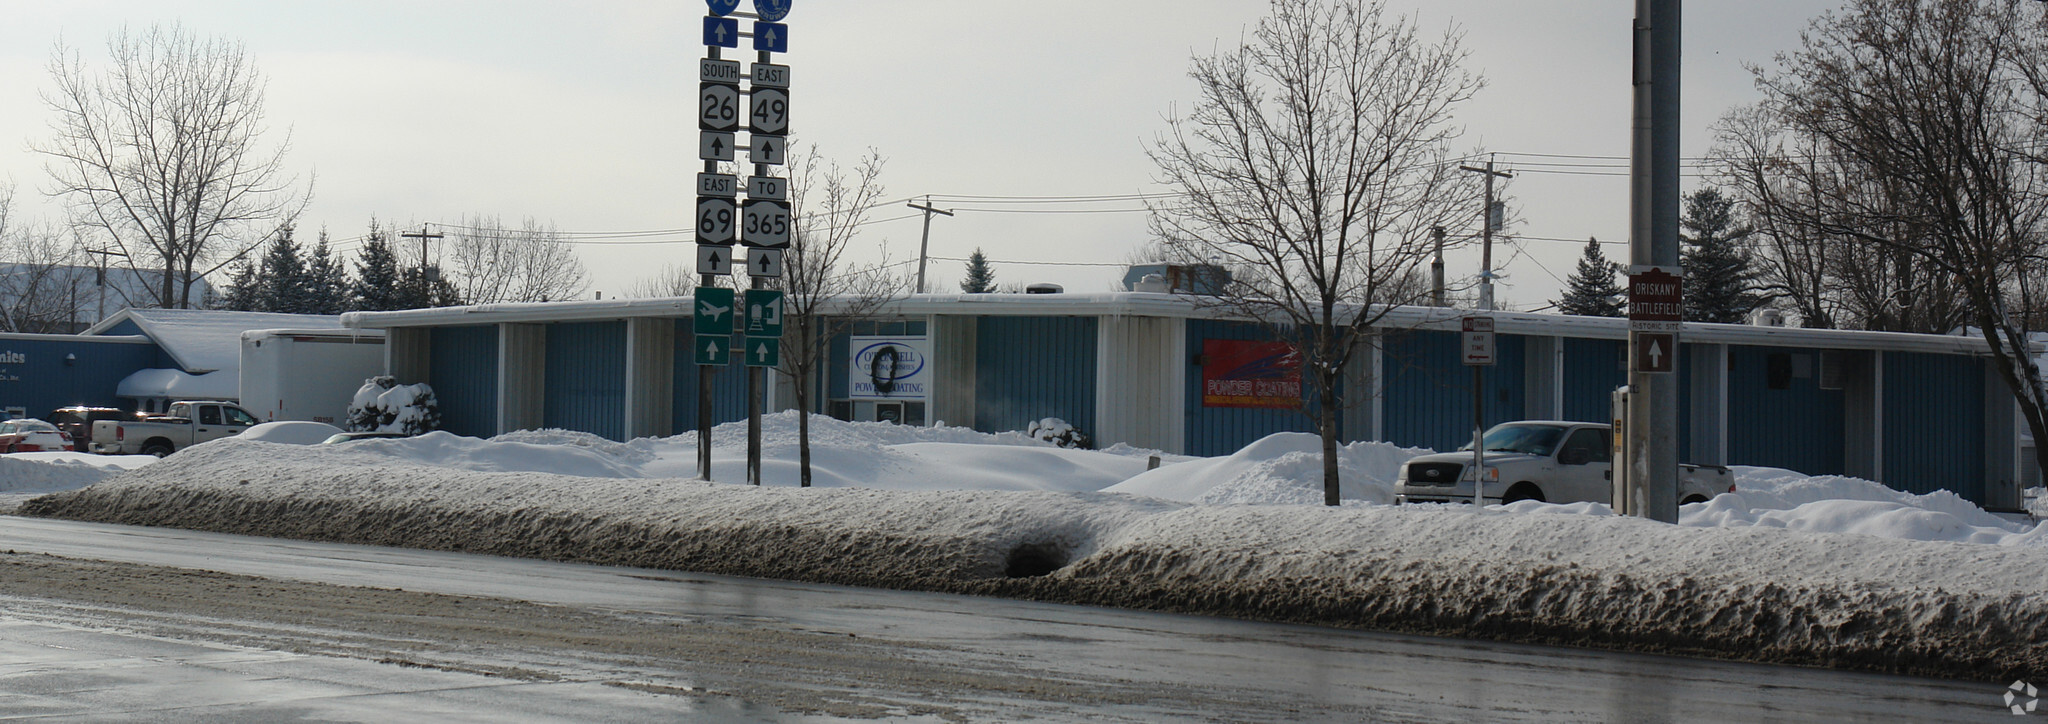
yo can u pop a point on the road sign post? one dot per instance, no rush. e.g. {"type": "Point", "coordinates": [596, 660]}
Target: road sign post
{"type": "Point", "coordinates": [1478, 346]}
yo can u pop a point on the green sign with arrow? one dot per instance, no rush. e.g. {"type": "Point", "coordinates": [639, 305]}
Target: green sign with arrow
{"type": "Point", "coordinates": [764, 313]}
{"type": "Point", "coordinates": [714, 350]}
{"type": "Point", "coordinates": [764, 352]}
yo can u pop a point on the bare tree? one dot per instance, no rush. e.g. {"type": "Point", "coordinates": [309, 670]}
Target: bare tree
{"type": "Point", "coordinates": [1908, 135]}
{"type": "Point", "coordinates": [492, 263]}
{"type": "Point", "coordinates": [674, 280]}
{"type": "Point", "coordinates": [40, 275]}
{"type": "Point", "coordinates": [160, 152]}
{"type": "Point", "coordinates": [1314, 165]}
{"type": "Point", "coordinates": [826, 286]}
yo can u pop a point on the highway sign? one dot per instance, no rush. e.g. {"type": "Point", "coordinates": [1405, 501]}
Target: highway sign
{"type": "Point", "coordinates": [715, 217]}
{"type": "Point", "coordinates": [723, 7]}
{"type": "Point", "coordinates": [722, 32]}
{"type": "Point", "coordinates": [770, 75]}
{"type": "Point", "coordinates": [771, 10]}
{"type": "Point", "coordinates": [1478, 341]}
{"type": "Point", "coordinates": [764, 262]}
{"type": "Point", "coordinates": [771, 37]}
{"type": "Point", "coordinates": [1656, 352]}
{"type": "Point", "coordinates": [768, 187]}
{"type": "Point", "coordinates": [769, 111]}
{"type": "Point", "coordinates": [764, 312]}
{"type": "Point", "coordinates": [714, 349]}
{"type": "Point", "coordinates": [714, 260]}
{"type": "Point", "coordinates": [766, 149]}
{"type": "Point", "coordinates": [718, 184]}
{"type": "Point", "coordinates": [718, 107]}
{"type": "Point", "coordinates": [1655, 294]}
{"type": "Point", "coordinates": [714, 145]}
{"type": "Point", "coordinates": [764, 352]}
{"type": "Point", "coordinates": [764, 223]}
{"type": "Point", "coordinates": [713, 311]}
{"type": "Point", "coordinates": [713, 70]}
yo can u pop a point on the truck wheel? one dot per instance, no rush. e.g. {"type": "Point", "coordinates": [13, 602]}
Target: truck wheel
{"type": "Point", "coordinates": [156, 448]}
{"type": "Point", "coordinates": [1521, 492]}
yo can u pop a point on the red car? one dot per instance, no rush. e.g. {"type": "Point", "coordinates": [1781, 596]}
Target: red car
{"type": "Point", "coordinates": [30, 435]}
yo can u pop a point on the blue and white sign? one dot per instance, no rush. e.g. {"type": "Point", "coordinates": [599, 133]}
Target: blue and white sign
{"type": "Point", "coordinates": [890, 368]}
{"type": "Point", "coordinates": [771, 37]}
{"type": "Point", "coordinates": [722, 32]}
{"type": "Point", "coordinates": [723, 7]}
{"type": "Point", "coordinates": [771, 10]}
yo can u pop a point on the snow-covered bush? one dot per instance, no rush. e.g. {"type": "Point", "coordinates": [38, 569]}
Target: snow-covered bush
{"type": "Point", "coordinates": [383, 405]}
{"type": "Point", "coordinates": [1058, 432]}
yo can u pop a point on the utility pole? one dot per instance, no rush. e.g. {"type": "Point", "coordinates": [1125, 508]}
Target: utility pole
{"type": "Point", "coordinates": [101, 277]}
{"type": "Point", "coordinates": [426, 273]}
{"type": "Point", "coordinates": [925, 245]}
{"type": "Point", "coordinates": [1486, 227]}
{"type": "Point", "coordinates": [1436, 270]}
{"type": "Point", "coordinates": [1652, 436]}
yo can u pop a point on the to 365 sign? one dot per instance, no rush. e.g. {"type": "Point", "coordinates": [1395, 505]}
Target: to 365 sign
{"type": "Point", "coordinates": [764, 223]}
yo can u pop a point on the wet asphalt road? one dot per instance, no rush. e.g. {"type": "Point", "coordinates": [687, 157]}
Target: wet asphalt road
{"type": "Point", "coordinates": [180, 625]}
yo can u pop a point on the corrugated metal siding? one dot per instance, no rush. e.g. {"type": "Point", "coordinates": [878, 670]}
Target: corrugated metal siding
{"type": "Point", "coordinates": [1934, 424]}
{"type": "Point", "coordinates": [1798, 428]}
{"type": "Point", "coordinates": [1428, 395]}
{"type": "Point", "coordinates": [44, 382]}
{"type": "Point", "coordinates": [586, 378]}
{"type": "Point", "coordinates": [1592, 369]}
{"type": "Point", "coordinates": [728, 387]}
{"type": "Point", "coordinates": [1223, 430]}
{"type": "Point", "coordinates": [463, 370]}
{"type": "Point", "coordinates": [1027, 368]}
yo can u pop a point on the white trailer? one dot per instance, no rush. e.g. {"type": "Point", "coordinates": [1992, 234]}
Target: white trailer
{"type": "Point", "coordinates": [298, 374]}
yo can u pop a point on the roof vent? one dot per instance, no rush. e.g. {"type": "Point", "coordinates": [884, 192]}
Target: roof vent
{"type": "Point", "coordinates": [1155, 283]}
{"type": "Point", "coordinates": [1043, 288]}
{"type": "Point", "coordinates": [1767, 318]}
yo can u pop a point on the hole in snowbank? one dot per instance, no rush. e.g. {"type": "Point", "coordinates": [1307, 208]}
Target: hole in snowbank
{"type": "Point", "coordinates": [1035, 559]}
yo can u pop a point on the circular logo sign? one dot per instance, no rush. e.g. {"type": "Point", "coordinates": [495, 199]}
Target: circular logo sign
{"type": "Point", "coordinates": [723, 7]}
{"type": "Point", "coordinates": [886, 363]}
{"type": "Point", "coordinates": [772, 10]}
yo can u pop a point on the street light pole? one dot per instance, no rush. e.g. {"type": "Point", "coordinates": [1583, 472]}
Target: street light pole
{"type": "Point", "coordinates": [924, 246]}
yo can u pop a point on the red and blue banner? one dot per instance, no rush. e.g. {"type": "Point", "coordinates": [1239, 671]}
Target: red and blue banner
{"type": "Point", "coordinates": [1241, 373]}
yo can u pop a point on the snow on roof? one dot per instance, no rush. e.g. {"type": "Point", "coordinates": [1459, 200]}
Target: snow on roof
{"type": "Point", "coordinates": [1148, 304]}
{"type": "Point", "coordinates": [205, 340]}
{"type": "Point", "coordinates": [178, 385]}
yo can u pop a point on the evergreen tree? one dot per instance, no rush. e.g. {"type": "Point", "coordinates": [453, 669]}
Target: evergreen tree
{"type": "Point", "coordinates": [1719, 284]}
{"type": "Point", "coordinates": [237, 295]}
{"type": "Point", "coordinates": [327, 284]}
{"type": "Point", "coordinates": [1591, 291]}
{"type": "Point", "coordinates": [981, 279]}
{"type": "Point", "coordinates": [377, 285]}
{"type": "Point", "coordinates": [281, 279]}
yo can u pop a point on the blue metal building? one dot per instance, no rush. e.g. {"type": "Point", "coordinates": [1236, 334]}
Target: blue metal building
{"type": "Point", "coordinates": [1917, 412]}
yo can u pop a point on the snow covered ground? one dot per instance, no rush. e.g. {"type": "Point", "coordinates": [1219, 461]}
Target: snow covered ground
{"type": "Point", "coordinates": [1813, 570]}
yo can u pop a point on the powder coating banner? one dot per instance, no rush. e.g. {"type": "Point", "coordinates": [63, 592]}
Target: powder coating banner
{"type": "Point", "coordinates": [889, 368]}
{"type": "Point", "coordinates": [1239, 373]}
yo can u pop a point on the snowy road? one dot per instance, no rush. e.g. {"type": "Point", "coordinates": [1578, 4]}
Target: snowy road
{"type": "Point", "coordinates": [629, 644]}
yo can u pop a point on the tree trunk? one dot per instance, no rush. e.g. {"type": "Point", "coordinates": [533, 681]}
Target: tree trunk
{"type": "Point", "coordinates": [1326, 425]}
{"type": "Point", "coordinates": [803, 420]}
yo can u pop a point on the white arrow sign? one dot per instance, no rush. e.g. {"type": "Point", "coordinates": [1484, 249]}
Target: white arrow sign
{"type": "Point", "coordinates": [1656, 355]}
{"type": "Point", "coordinates": [761, 353]}
{"type": "Point", "coordinates": [711, 348]}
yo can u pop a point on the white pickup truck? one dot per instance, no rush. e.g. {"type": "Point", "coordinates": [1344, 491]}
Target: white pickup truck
{"type": "Point", "coordinates": [1546, 460]}
{"type": "Point", "coordinates": [185, 424]}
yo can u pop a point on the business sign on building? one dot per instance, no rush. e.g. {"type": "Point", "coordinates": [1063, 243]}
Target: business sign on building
{"type": "Point", "coordinates": [890, 368]}
{"type": "Point", "coordinates": [1240, 373]}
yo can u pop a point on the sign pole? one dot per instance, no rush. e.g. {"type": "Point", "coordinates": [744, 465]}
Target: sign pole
{"type": "Point", "coordinates": [1478, 344]}
{"type": "Point", "coordinates": [1655, 293]}
{"type": "Point", "coordinates": [706, 374]}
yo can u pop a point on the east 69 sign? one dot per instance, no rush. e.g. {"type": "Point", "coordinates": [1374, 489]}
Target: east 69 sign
{"type": "Point", "coordinates": [764, 223]}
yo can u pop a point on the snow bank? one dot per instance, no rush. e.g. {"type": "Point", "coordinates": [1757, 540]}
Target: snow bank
{"type": "Point", "coordinates": [1746, 592]}
{"type": "Point", "coordinates": [1283, 468]}
{"type": "Point", "coordinates": [26, 475]}
{"type": "Point", "coordinates": [291, 432]}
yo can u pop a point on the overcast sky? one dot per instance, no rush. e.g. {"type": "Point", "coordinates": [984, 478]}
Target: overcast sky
{"type": "Point", "coordinates": [581, 114]}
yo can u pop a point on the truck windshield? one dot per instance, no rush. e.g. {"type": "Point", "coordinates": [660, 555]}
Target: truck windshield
{"type": "Point", "coordinates": [1531, 439]}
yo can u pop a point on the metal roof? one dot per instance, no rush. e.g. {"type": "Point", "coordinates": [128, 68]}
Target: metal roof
{"type": "Point", "coordinates": [1145, 304]}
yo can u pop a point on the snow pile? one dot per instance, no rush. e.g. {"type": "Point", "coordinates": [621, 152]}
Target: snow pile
{"type": "Point", "coordinates": [1865, 517]}
{"type": "Point", "coordinates": [26, 475]}
{"type": "Point", "coordinates": [1281, 469]}
{"type": "Point", "coordinates": [1588, 578]}
{"type": "Point", "coordinates": [291, 432]}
